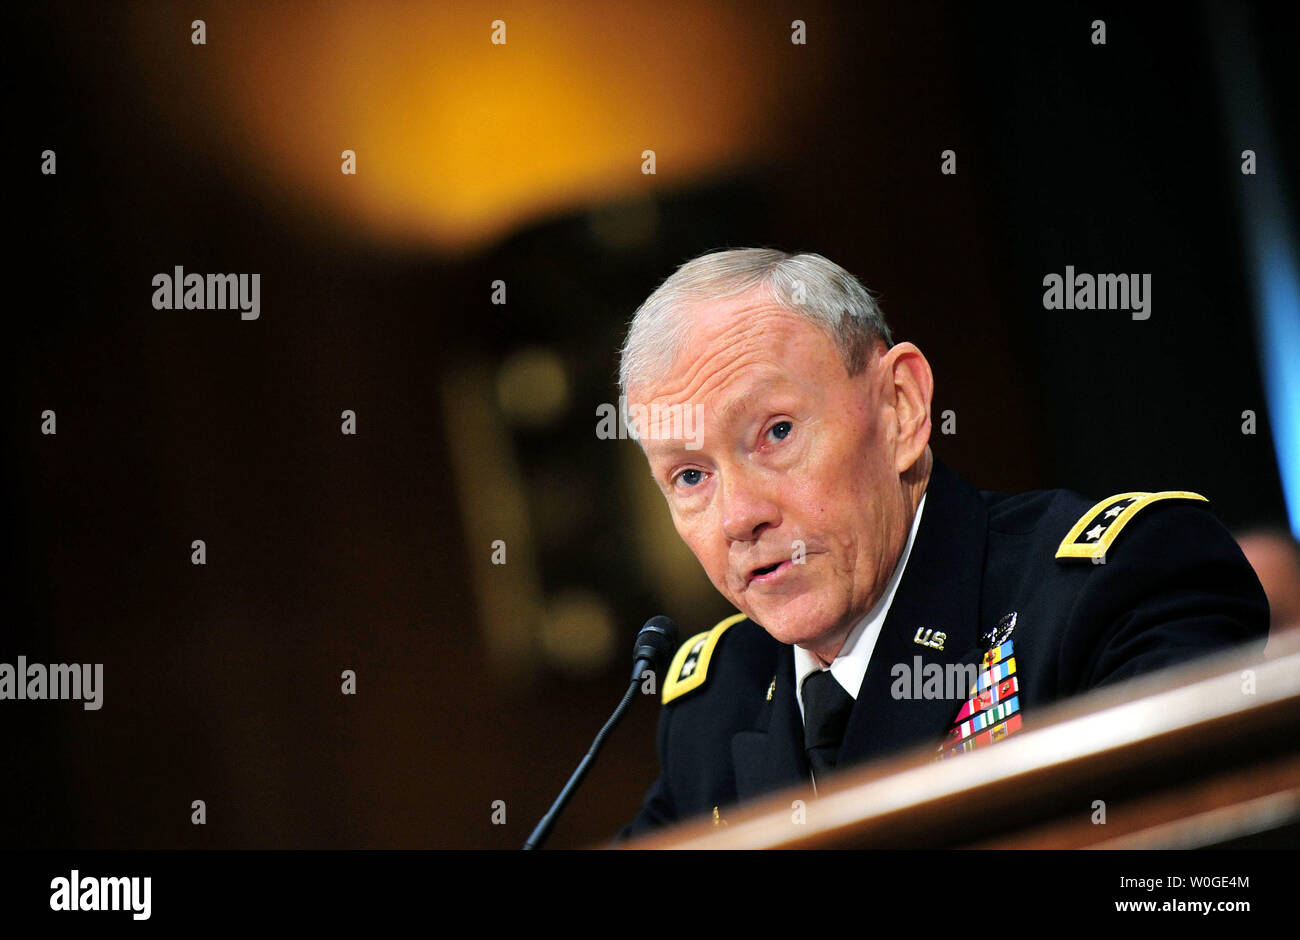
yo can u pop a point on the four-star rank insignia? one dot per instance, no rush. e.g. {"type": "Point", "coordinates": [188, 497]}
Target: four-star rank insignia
{"type": "Point", "coordinates": [1098, 528]}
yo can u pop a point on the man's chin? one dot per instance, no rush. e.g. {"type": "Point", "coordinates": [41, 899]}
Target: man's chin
{"type": "Point", "coordinates": [794, 623]}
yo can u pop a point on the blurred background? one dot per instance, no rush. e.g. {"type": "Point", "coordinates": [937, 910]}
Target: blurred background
{"type": "Point", "coordinates": [522, 163]}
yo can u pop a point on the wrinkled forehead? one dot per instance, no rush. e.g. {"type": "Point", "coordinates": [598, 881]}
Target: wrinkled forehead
{"type": "Point", "coordinates": [724, 342]}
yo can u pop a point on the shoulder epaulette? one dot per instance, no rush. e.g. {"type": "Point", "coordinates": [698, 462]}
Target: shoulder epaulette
{"type": "Point", "coordinates": [691, 664]}
{"type": "Point", "coordinates": [1097, 528]}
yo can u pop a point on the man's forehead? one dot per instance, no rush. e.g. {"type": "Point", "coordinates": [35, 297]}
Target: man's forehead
{"type": "Point", "coordinates": [739, 381]}
{"type": "Point", "coordinates": [733, 342]}
{"type": "Point", "coordinates": [715, 320]}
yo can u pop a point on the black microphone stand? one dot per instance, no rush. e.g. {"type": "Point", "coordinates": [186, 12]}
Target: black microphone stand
{"type": "Point", "coordinates": [543, 828]}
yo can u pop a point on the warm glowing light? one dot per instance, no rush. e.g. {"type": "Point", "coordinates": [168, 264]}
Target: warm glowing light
{"type": "Point", "coordinates": [458, 140]}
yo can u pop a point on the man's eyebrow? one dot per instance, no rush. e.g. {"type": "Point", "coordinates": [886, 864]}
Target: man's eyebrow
{"type": "Point", "coordinates": [674, 446]}
{"type": "Point", "coordinates": [745, 403]}
{"type": "Point", "coordinates": [667, 449]}
{"type": "Point", "coordinates": [735, 408]}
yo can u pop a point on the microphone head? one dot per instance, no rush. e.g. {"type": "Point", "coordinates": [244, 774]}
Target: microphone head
{"type": "Point", "coordinates": [657, 642]}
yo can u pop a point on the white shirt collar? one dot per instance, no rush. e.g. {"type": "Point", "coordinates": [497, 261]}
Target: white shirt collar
{"type": "Point", "coordinates": [850, 666]}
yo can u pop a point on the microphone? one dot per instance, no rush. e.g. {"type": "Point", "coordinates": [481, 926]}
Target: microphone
{"type": "Point", "coordinates": [653, 650]}
{"type": "Point", "coordinates": [654, 646]}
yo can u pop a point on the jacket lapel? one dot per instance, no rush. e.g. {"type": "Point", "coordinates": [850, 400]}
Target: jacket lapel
{"type": "Point", "coordinates": [939, 591]}
{"type": "Point", "coordinates": [771, 756]}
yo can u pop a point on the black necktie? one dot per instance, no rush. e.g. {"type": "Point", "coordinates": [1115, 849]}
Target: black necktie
{"type": "Point", "coordinates": [826, 708]}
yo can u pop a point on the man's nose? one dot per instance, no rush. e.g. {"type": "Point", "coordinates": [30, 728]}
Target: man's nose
{"type": "Point", "coordinates": [747, 508]}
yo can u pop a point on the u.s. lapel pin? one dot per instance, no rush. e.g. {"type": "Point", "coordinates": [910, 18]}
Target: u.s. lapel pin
{"type": "Point", "coordinates": [771, 688]}
{"type": "Point", "coordinates": [928, 636]}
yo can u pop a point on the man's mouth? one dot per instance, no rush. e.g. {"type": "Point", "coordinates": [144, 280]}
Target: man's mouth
{"type": "Point", "coordinates": [768, 573]}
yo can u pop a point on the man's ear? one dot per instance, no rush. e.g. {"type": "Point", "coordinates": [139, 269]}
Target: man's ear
{"type": "Point", "coordinates": [906, 368]}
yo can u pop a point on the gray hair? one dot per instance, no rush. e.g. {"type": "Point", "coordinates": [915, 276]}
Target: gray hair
{"type": "Point", "coordinates": [808, 285]}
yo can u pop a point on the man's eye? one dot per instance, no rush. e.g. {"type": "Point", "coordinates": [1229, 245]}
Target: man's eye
{"type": "Point", "coordinates": [689, 477]}
{"type": "Point", "coordinates": [781, 430]}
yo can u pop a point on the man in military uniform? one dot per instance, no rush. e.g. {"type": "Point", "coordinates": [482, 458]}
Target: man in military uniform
{"type": "Point", "coordinates": [867, 573]}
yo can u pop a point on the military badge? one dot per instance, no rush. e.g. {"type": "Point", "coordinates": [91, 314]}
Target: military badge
{"type": "Point", "coordinates": [993, 711]}
{"type": "Point", "coordinates": [997, 635]}
{"type": "Point", "coordinates": [931, 638]}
